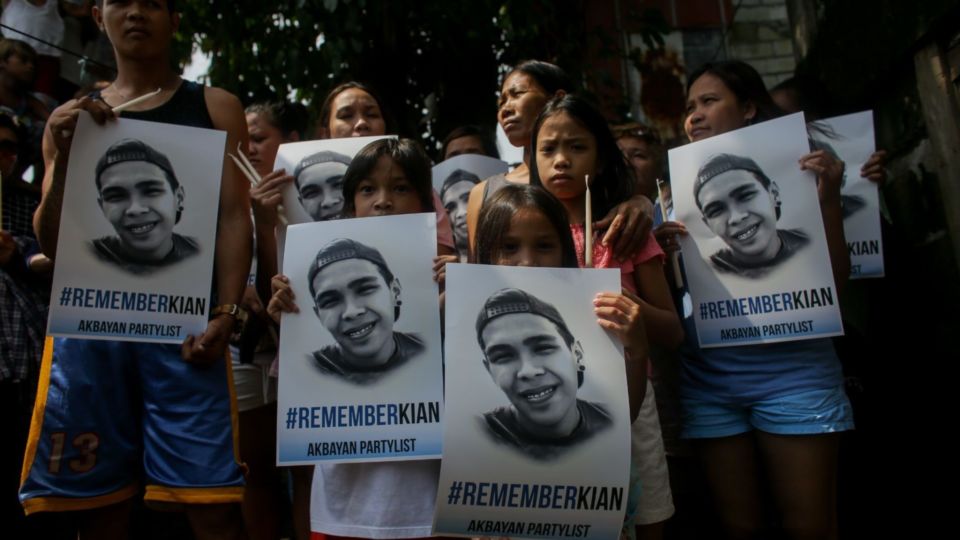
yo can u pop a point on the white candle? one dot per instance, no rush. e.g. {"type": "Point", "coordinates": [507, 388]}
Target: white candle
{"type": "Point", "coordinates": [135, 101]}
{"type": "Point", "coordinates": [249, 166]}
{"type": "Point", "coordinates": [588, 228]}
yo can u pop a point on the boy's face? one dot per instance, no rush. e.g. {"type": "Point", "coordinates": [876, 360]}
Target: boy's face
{"type": "Point", "coordinates": [739, 210]}
{"type": "Point", "coordinates": [321, 189]}
{"type": "Point", "coordinates": [532, 364]}
{"type": "Point", "coordinates": [137, 199]}
{"type": "Point", "coordinates": [137, 28]}
{"type": "Point", "coordinates": [357, 307]}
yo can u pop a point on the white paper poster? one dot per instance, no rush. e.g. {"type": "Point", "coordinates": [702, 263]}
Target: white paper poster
{"type": "Point", "coordinates": [756, 255]}
{"type": "Point", "coordinates": [453, 179]}
{"type": "Point", "coordinates": [537, 426]}
{"type": "Point", "coordinates": [361, 370]}
{"type": "Point", "coordinates": [317, 167]}
{"type": "Point", "coordinates": [851, 139]}
{"type": "Point", "coordinates": [137, 232]}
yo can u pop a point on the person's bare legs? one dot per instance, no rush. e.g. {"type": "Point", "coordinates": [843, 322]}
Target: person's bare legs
{"type": "Point", "coordinates": [261, 504]}
{"type": "Point", "coordinates": [302, 477]}
{"type": "Point", "coordinates": [107, 523]}
{"type": "Point", "coordinates": [802, 471]}
{"type": "Point", "coordinates": [731, 470]}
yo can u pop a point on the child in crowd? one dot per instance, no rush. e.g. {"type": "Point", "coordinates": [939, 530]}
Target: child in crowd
{"type": "Point", "coordinates": [571, 141]}
{"type": "Point", "coordinates": [524, 225]}
{"type": "Point", "coordinates": [385, 499]}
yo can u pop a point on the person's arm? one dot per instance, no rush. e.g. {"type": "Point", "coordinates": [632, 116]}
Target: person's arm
{"type": "Point", "coordinates": [234, 232]}
{"type": "Point", "coordinates": [440, 276]}
{"type": "Point", "coordinates": [266, 198]}
{"type": "Point", "coordinates": [474, 203]}
{"type": "Point", "coordinates": [628, 226]}
{"type": "Point", "coordinates": [659, 314]}
{"type": "Point", "coordinates": [829, 171]}
{"type": "Point", "coordinates": [282, 299]}
{"type": "Point", "coordinates": [57, 137]}
{"type": "Point", "coordinates": [622, 314]}
{"type": "Point", "coordinates": [874, 169]}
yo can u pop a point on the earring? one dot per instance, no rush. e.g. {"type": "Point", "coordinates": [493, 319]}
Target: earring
{"type": "Point", "coordinates": [399, 302]}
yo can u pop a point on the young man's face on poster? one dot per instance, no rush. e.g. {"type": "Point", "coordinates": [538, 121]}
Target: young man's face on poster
{"type": "Point", "coordinates": [356, 305]}
{"type": "Point", "coordinates": [321, 189]}
{"type": "Point", "coordinates": [536, 369]}
{"type": "Point", "coordinates": [139, 201]}
{"type": "Point", "coordinates": [742, 212]}
{"type": "Point", "coordinates": [455, 200]}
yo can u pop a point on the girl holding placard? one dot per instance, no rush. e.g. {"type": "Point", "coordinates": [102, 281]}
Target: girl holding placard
{"type": "Point", "coordinates": [775, 406]}
{"type": "Point", "coordinates": [386, 499]}
{"type": "Point", "coordinates": [572, 141]}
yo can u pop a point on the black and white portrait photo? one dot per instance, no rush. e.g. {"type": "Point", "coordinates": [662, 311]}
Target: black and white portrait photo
{"type": "Point", "coordinates": [455, 193]}
{"type": "Point", "coordinates": [850, 138]}
{"type": "Point", "coordinates": [534, 359]}
{"type": "Point", "coordinates": [139, 194]}
{"type": "Point", "coordinates": [536, 394]}
{"type": "Point", "coordinates": [824, 137]}
{"type": "Point", "coordinates": [317, 167]}
{"type": "Point", "coordinates": [755, 255]}
{"type": "Point", "coordinates": [742, 206]}
{"type": "Point", "coordinates": [137, 231]}
{"type": "Point", "coordinates": [357, 300]}
{"type": "Point", "coordinates": [362, 355]}
{"type": "Point", "coordinates": [453, 179]}
{"type": "Point", "coordinates": [319, 182]}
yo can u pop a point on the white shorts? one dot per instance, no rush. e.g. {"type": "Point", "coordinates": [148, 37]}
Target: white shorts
{"type": "Point", "coordinates": [252, 382]}
{"type": "Point", "coordinates": [648, 455]}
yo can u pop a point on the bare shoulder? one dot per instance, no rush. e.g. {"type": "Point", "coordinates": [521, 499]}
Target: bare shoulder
{"type": "Point", "coordinates": [225, 108]}
{"type": "Point", "coordinates": [476, 193]}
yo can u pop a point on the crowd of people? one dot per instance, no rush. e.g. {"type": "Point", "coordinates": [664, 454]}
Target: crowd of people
{"type": "Point", "coordinates": [113, 422]}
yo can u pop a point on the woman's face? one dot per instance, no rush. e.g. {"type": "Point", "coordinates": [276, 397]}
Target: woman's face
{"type": "Point", "coordinates": [265, 138]}
{"type": "Point", "coordinates": [712, 109]}
{"type": "Point", "coordinates": [355, 113]}
{"type": "Point", "coordinates": [521, 100]}
{"type": "Point", "coordinates": [643, 159]}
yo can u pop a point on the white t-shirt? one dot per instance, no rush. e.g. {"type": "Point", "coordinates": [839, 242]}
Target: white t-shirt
{"type": "Point", "coordinates": [43, 22]}
{"type": "Point", "coordinates": [375, 500]}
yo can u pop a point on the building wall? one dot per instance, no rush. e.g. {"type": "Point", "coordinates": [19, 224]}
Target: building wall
{"type": "Point", "coordinates": [760, 35]}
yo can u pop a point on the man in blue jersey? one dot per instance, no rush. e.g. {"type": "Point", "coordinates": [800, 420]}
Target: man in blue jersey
{"type": "Point", "coordinates": [114, 419]}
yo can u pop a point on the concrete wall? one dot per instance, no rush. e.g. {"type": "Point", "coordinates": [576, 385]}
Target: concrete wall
{"type": "Point", "coordinates": [761, 35]}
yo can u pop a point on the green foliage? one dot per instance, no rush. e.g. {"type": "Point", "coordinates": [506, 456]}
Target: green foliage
{"type": "Point", "coordinates": [436, 63]}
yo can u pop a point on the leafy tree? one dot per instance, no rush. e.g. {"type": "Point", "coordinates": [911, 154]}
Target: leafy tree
{"type": "Point", "coordinates": [437, 64]}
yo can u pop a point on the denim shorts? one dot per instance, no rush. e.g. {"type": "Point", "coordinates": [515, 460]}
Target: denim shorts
{"type": "Point", "coordinates": [804, 413]}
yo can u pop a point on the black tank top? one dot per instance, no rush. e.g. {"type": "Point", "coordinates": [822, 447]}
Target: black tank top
{"type": "Point", "coordinates": [187, 107]}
